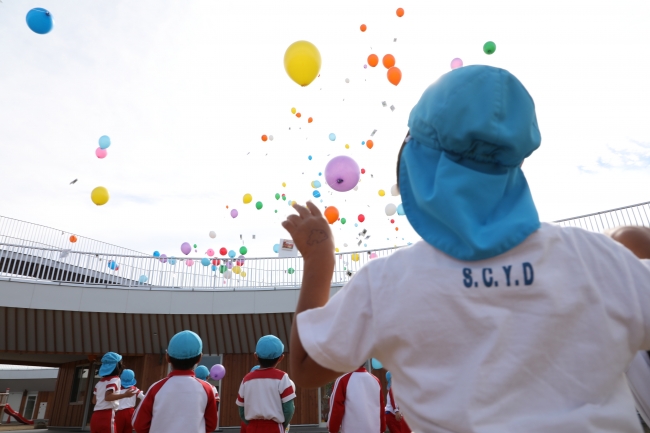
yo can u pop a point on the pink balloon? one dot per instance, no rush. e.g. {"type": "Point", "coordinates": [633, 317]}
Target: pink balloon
{"type": "Point", "coordinates": [101, 153]}
{"type": "Point", "coordinates": [210, 252]}
{"type": "Point", "coordinates": [163, 258]}
{"type": "Point", "coordinates": [186, 248]}
{"type": "Point", "coordinates": [342, 173]}
{"type": "Point", "coordinates": [189, 262]}
{"type": "Point", "coordinates": [234, 213]}
{"type": "Point", "coordinates": [217, 372]}
{"type": "Point", "coordinates": [456, 63]}
{"type": "Point", "coordinates": [373, 255]}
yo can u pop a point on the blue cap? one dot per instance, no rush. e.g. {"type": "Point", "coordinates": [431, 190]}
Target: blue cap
{"type": "Point", "coordinates": [269, 347]}
{"type": "Point", "coordinates": [202, 372]}
{"type": "Point", "coordinates": [462, 187]}
{"type": "Point", "coordinates": [257, 367]}
{"type": "Point", "coordinates": [109, 362]}
{"type": "Point", "coordinates": [128, 378]}
{"type": "Point", "coordinates": [185, 345]}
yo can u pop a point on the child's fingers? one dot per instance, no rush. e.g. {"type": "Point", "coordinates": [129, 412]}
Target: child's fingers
{"type": "Point", "coordinates": [303, 211]}
{"type": "Point", "coordinates": [295, 219]}
{"type": "Point", "coordinates": [314, 209]}
{"type": "Point", "coordinates": [289, 226]}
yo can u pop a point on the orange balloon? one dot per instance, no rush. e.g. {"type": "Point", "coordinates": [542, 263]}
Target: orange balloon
{"type": "Point", "coordinates": [394, 75]}
{"type": "Point", "coordinates": [331, 214]}
{"type": "Point", "coordinates": [400, 12]}
{"type": "Point", "coordinates": [370, 144]}
{"type": "Point", "coordinates": [363, 27]}
{"type": "Point", "coordinates": [310, 120]}
{"type": "Point", "coordinates": [388, 61]}
{"type": "Point", "coordinates": [298, 115]}
{"type": "Point", "coordinates": [373, 60]}
{"type": "Point", "coordinates": [396, 229]}
{"type": "Point", "coordinates": [264, 138]}
{"type": "Point", "coordinates": [73, 239]}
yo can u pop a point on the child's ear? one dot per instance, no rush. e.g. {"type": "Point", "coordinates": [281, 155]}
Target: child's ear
{"type": "Point", "coordinates": [256, 358]}
{"type": "Point", "coordinates": [280, 359]}
{"type": "Point", "coordinates": [200, 358]}
{"type": "Point", "coordinates": [167, 358]}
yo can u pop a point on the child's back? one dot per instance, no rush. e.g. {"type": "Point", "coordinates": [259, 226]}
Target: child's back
{"type": "Point", "coordinates": [356, 404]}
{"type": "Point", "coordinates": [536, 339]}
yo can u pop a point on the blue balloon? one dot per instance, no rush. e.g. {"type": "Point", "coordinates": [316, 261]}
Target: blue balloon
{"type": "Point", "coordinates": [113, 265]}
{"type": "Point", "coordinates": [143, 279]}
{"type": "Point", "coordinates": [400, 209]}
{"type": "Point", "coordinates": [232, 254]}
{"type": "Point", "coordinates": [363, 143]}
{"type": "Point", "coordinates": [156, 254]}
{"type": "Point", "coordinates": [205, 261]}
{"type": "Point", "coordinates": [276, 248]}
{"type": "Point", "coordinates": [104, 141]}
{"type": "Point", "coordinates": [356, 225]}
{"type": "Point", "coordinates": [320, 173]}
{"type": "Point", "coordinates": [309, 157]}
{"type": "Point", "coordinates": [172, 261]}
{"type": "Point", "coordinates": [332, 136]}
{"type": "Point", "coordinates": [316, 193]}
{"type": "Point", "coordinates": [214, 268]}
{"type": "Point", "coordinates": [40, 21]}
{"type": "Point", "coordinates": [316, 184]}
{"type": "Point", "coordinates": [376, 364]}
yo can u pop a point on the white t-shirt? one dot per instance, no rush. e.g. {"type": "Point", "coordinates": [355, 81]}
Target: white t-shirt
{"type": "Point", "coordinates": [128, 403]}
{"type": "Point", "coordinates": [104, 384]}
{"type": "Point", "coordinates": [262, 393]}
{"type": "Point", "coordinates": [535, 340]}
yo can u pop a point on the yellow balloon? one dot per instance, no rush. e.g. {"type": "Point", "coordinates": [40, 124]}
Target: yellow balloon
{"type": "Point", "coordinates": [284, 184]}
{"type": "Point", "coordinates": [381, 193]}
{"type": "Point", "coordinates": [243, 274]}
{"type": "Point", "coordinates": [99, 196]}
{"type": "Point", "coordinates": [302, 62]}
{"type": "Point", "coordinates": [336, 249]}
{"type": "Point", "coordinates": [355, 257]}
{"type": "Point", "coordinates": [236, 269]}
{"type": "Point", "coordinates": [248, 198]}
{"type": "Point", "coordinates": [347, 146]}
{"type": "Point", "coordinates": [293, 110]}
{"type": "Point", "coordinates": [293, 203]}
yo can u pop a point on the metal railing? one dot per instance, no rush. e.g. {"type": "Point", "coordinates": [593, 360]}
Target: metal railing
{"type": "Point", "coordinates": [37, 253]}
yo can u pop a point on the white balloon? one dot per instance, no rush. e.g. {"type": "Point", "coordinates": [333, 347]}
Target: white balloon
{"type": "Point", "coordinates": [345, 245]}
{"type": "Point", "coordinates": [213, 234]}
{"type": "Point", "coordinates": [394, 190]}
{"type": "Point", "coordinates": [356, 188]}
{"type": "Point", "coordinates": [391, 209]}
{"type": "Point", "coordinates": [228, 274]}
{"type": "Point", "coordinates": [271, 137]}
{"type": "Point", "coordinates": [347, 80]}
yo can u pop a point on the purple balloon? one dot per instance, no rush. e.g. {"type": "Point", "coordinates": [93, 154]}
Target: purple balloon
{"type": "Point", "coordinates": [342, 173]}
{"type": "Point", "coordinates": [229, 264]}
{"type": "Point", "coordinates": [234, 213]}
{"type": "Point", "coordinates": [163, 258]}
{"type": "Point", "coordinates": [186, 248]}
{"type": "Point", "coordinates": [217, 372]}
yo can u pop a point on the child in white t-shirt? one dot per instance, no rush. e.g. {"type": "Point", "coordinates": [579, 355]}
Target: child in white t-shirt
{"type": "Point", "coordinates": [493, 322]}
{"type": "Point", "coordinates": [107, 393]}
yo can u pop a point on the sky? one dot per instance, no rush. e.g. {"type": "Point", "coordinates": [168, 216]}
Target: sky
{"type": "Point", "coordinates": [186, 89]}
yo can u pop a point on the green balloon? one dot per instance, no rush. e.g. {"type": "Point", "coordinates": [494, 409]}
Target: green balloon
{"type": "Point", "coordinates": [277, 196]}
{"type": "Point", "coordinates": [290, 271]}
{"type": "Point", "coordinates": [343, 220]}
{"type": "Point", "coordinates": [276, 211]}
{"type": "Point", "coordinates": [194, 245]}
{"type": "Point", "coordinates": [284, 197]}
{"type": "Point", "coordinates": [223, 268]}
{"type": "Point", "coordinates": [259, 205]}
{"type": "Point", "coordinates": [243, 251]}
{"type": "Point", "coordinates": [489, 47]}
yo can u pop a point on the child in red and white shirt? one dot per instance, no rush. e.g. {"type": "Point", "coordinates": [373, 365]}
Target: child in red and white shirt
{"type": "Point", "coordinates": [180, 402]}
{"type": "Point", "coordinates": [266, 395]}
{"type": "Point", "coordinates": [127, 406]}
{"type": "Point", "coordinates": [107, 393]}
{"type": "Point", "coordinates": [394, 418]}
{"type": "Point", "coordinates": [356, 404]}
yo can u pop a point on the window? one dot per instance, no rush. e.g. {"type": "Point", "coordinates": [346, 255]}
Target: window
{"type": "Point", "coordinates": [79, 384]}
{"type": "Point", "coordinates": [28, 413]}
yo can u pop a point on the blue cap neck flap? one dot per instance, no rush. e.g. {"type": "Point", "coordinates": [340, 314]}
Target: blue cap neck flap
{"type": "Point", "coordinates": [462, 187]}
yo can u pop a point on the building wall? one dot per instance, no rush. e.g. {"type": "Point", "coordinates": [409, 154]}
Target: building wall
{"type": "Point", "coordinates": [44, 397]}
{"type": "Point", "coordinates": [237, 366]}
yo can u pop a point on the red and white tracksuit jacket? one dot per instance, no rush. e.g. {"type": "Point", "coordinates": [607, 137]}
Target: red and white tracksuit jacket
{"type": "Point", "coordinates": [357, 404]}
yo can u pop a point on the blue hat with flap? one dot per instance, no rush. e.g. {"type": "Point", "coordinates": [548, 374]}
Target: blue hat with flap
{"type": "Point", "coordinates": [460, 178]}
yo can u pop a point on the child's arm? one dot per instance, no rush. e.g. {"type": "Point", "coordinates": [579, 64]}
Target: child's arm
{"type": "Point", "coordinates": [288, 410]}
{"type": "Point", "coordinates": [313, 237]}
{"type": "Point", "coordinates": [112, 396]}
{"type": "Point", "coordinates": [242, 415]}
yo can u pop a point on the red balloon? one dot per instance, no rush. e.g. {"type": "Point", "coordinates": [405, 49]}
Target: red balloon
{"type": "Point", "coordinates": [223, 251]}
{"type": "Point", "coordinates": [392, 221]}
{"type": "Point", "coordinates": [363, 171]}
{"type": "Point", "coordinates": [361, 218]}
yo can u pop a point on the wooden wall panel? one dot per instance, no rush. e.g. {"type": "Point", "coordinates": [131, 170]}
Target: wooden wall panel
{"type": "Point", "coordinates": [43, 397]}
{"type": "Point", "coordinates": [62, 412]}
